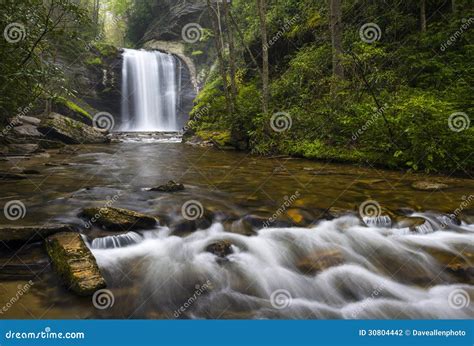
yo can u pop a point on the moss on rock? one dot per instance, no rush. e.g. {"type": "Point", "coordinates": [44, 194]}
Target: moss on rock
{"type": "Point", "coordinates": [117, 218]}
{"type": "Point", "coordinates": [72, 110]}
{"type": "Point", "coordinates": [74, 263]}
{"type": "Point", "coordinates": [69, 131]}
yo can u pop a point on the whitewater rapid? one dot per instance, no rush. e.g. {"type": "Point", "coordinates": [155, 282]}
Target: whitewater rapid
{"type": "Point", "coordinates": [260, 279]}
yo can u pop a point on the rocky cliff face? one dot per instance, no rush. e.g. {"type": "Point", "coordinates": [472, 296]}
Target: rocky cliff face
{"type": "Point", "coordinates": [171, 16]}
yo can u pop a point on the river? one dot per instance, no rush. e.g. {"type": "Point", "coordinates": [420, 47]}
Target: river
{"type": "Point", "coordinates": [384, 270]}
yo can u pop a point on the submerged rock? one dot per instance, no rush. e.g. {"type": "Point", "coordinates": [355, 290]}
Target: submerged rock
{"type": "Point", "coordinates": [241, 227]}
{"type": "Point", "coordinates": [170, 186]}
{"type": "Point", "coordinates": [320, 261]}
{"type": "Point", "coordinates": [59, 127]}
{"type": "Point", "coordinates": [428, 186]}
{"type": "Point", "coordinates": [410, 222]}
{"type": "Point", "coordinates": [30, 234]}
{"type": "Point", "coordinates": [119, 218]}
{"type": "Point", "coordinates": [74, 262]}
{"type": "Point", "coordinates": [221, 248]}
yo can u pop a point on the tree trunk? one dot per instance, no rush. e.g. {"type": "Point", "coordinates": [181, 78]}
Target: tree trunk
{"type": "Point", "coordinates": [220, 55]}
{"type": "Point", "coordinates": [242, 39]}
{"type": "Point", "coordinates": [336, 38]}
{"type": "Point", "coordinates": [261, 7]}
{"type": "Point", "coordinates": [232, 64]}
{"type": "Point", "coordinates": [423, 15]}
{"type": "Point", "coordinates": [453, 5]}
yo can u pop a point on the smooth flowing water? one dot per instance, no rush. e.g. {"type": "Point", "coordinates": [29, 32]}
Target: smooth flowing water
{"type": "Point", "coordinates": [300, 266]}
{"type": "Point", "coordinates": [150, 90]}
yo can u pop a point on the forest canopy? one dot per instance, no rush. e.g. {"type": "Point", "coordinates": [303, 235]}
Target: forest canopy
{"type": "Point", "coordinates": [349, 80]}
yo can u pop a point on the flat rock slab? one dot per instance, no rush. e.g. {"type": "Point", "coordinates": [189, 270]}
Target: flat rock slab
{"type": "Point", "coordinates": [69, 131]}
{"type": "Point", "coordinates": [29, 234]}
{"type": "Point", "coordinates": [428, 186]}
{"type": "Point", "coordinates": [74, 263]}
{"type": "Point", "coordinates": [117, 218]}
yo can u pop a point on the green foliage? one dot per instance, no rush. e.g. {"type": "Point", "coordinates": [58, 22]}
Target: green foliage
{"type": "Point", "coordinates": [74, 107]}
{"type": "Point", "coordinates": [391, 109]}
{"type": "Point", "coordinates": [42, 32]}
{"type": "Point", "coordinates": [94, 61]}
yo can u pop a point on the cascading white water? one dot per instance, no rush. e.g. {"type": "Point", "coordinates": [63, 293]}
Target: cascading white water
{"type": "Point", "coordinates": [377, 279]}
{"type": "Point", "coordinates": [150, 90]}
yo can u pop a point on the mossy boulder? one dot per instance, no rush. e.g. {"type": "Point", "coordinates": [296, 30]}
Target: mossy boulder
{"type": "Point", "coordinates": [30, 234]}
{"type": "Point", "coordinates": [69, 131]}
{"type": "Point", "coordinates": [220, 139]}
{"type": "Point", "coordinates": [74, 263]}
{"type": "Point", "coordinates": [71, 109]}
{"type": "Point", "coordinates": [119, 219]}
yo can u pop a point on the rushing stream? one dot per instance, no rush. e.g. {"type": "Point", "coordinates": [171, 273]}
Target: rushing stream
{"type": "Point", "coordinates": [380, 267]}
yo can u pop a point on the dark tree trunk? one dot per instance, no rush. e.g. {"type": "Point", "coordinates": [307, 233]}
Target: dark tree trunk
{"type": "Point", "coordinates": [262, 9]}
{"type": "Point", "coordinates": [232, 57]}
{"type": "Point", "coordinates": [336, 37]}
{"type": "Point", "coordinates": [423, 15]}
{"type": "Point", "coordinates": [220, 54]}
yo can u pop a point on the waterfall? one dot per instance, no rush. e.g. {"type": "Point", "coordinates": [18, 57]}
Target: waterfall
{"type": "Point", "coordinates": [150, 90]}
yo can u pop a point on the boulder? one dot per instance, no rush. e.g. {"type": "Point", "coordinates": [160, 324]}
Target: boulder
{"type": "Point", "coordinates": [117, 218]}
{"type": "Point", "coordinates": [26, 120]}
{"type": "Point", "coordinates": [74, 263]}
{"type": "Point", "coordinates": [29, 234]}
{"type": "Point", "coordinates": [320, 261]}
{"type": "Point", "coordinates": [428, 186]}
{"type": "Point", "coordinates": [27, 130]}
{"type": "Point", "coordinates": [170, 186]}
{"type": "Point", "coordinates": [221, 248]}
{"type": "Point", "coordinates": [59, 127]}
{"type": "Point", "coordinates": [411, 222]}
{"type": "Point", "coordinates": [241, 227]}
